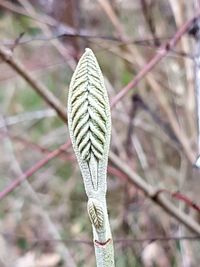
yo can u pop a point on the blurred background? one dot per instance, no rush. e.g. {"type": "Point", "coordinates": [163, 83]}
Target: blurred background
{"type": "Point", "coordinates": [44, 222]}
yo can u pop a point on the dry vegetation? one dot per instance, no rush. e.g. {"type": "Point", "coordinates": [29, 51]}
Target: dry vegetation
{"type": "Point", "coordinates": [44, 222]}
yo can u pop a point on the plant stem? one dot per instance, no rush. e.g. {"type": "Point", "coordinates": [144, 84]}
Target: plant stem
{"type": "Point", "coordinates": [89, 123]}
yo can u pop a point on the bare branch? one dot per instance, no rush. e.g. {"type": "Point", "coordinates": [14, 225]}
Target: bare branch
{"type": "Point", "coordinates": [7, 56]}
{"type": "Point", "coordinates": [154, 195]}
{"type": "Point", "coordinates": [33, 169]}
{"type": "Point", "coordinates": [163, 51]}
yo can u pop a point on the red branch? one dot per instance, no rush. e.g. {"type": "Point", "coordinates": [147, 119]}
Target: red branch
{"type": "Point", "coordinates": [182, 198]}
{"type": "Point", "coordinates": [33, 169]}
{"type": "Point", "coordinates": [116, 172]}
{"type": "Point", "coordinates": [38, 148]}
{"type": "Point", "coordinates": [163, 51]}
{"type": "Point", "coordinates": [11, 187]}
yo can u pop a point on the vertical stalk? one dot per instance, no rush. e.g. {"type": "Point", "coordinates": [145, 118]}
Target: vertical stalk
{"type": "Point", "coordinates": [195, 33]}
{"type": "Point", "coordinates": [197, 76]}
{"type": "Point", "coordinates": [89, 122]}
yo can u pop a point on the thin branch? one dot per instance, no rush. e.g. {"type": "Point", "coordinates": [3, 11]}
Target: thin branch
{"type": "Point", "coordinates": [154, 195]}
{"type": "Point", "coordinates": [116, 42]}
{"type": "Point", "coordinates": [61, 152]}
{"type": "Point", "coordinates": [179, 11]}
{"type": "Point", "coordinates": [158, 238]}
{"type": "Point", "coordinates": [27, 116]}
{"type": "Point", "coordinates": [27, 143]}
{"type": "Point", "coordinates": [162, 52]}
{"type": "Point", "coordinates": [122, 172]}
{"type": "Point", "coordinates": [43, 18]}
{"type": "Point", "coordinates": [63, 50]}
{"type": "Point", "coordinates": [140, 103]}
{"type": "Point", "coordinates": [142, 42]}
{"type": "Point", "coordinates": [33, 169]}
{"type": "Point", "coordinates": [7, 56]}
{"type": "Point", "coordinates": [53, 231]}
{"type": "Point", "coordinates": [135, 56]}
{"type": "Point", "coordinates": [36, 242]}
{"type": "Point", "coordinates": [147, 10]}
{"type": "Point", "coordinates": [195, 33]}
{"type": "Point", "coordinates": [180, 196]}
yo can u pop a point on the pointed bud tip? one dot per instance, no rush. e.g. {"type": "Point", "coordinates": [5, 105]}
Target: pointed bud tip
{"type": "Point", "coordinates": [88, 51]}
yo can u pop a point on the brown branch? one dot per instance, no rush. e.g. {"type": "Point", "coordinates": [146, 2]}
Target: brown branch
{"type": "Point", "coordinates": [129, 242]}
{"type": "Point", "coordinates": [154, 195]}
{"type": "Point", "coordinates": [29, 144]}
{"type": "Point", "coordinates": [163, 51]}
{"type": "Point", "coordinates": [33, 169]}
{"type": "Point", "coordinates": [135, 56]}
{"type": "Point", "coordinates": [195, 33]}
{"type": "Point", "coordinates": [51, 155]}
{"type": "Point", "coordinates": [180, 196]}
{"type": "Point", "coordinates": [147, 10]}
{"type": "Point", "coordinates": [40, 18]}
{"type": "Point", "coordinates": [157, 238]}
{"type": "Point", "coordinates": [123, 172]}
{"type": "Point", "coordinates": [7, 56]}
